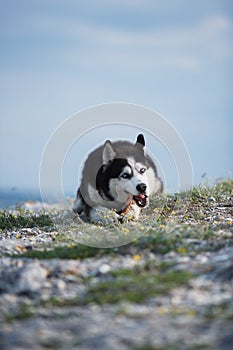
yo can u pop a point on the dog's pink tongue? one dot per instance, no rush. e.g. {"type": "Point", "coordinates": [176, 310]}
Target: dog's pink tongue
{"type": "Point", "coordinates": [142, 196]}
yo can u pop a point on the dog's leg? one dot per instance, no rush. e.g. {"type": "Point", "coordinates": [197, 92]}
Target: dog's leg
{"type": "Point", "coordinates": [131, 213]}
{"type": "Point", "coordinates": [79, 205]}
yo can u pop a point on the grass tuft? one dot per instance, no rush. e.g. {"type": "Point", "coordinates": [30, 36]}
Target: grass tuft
{"type": "Point", "coordinates": [135, 286]}
{"type": "Point", "coordinates": [71, 251]}
{"type": "Point", "coordinates": [11, 220]}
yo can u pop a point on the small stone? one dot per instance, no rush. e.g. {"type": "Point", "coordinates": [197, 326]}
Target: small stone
{"type": "Point", "coordinates": [104, 268]}
{"type": "Point", "coordinates": [203, 259]}
{"type": "Point", "coordinates": [218, 217]}
{"type": "Point", "coordinates": [26, 279]}
{"type": "Point", "coordinates": [223, 234]}
{"type": "Point", "coordinates": [229, 221]}
{"type": "Point", "coordinates": [211, 199]}
{"type": "Point", "coordinates": [61, 285]}
{"type": "Point", "coordinates": [230, 200]}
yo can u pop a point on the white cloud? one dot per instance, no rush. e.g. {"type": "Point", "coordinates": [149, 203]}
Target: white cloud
{"type": "Point", "coordinates": [187, 48]}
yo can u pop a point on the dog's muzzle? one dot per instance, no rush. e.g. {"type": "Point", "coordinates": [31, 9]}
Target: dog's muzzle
{"type": "Point", "coordinates": [141, 198]}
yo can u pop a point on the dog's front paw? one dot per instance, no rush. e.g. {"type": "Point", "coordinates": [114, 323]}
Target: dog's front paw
{"type": "Point", "coordinates": [132, 213]}
{"type": "Point", "coordinates": [103, 216]}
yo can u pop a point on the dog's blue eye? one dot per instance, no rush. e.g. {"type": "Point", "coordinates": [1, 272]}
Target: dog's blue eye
{"type": "Point", "coordinates": [125, 176]}
{"type": "Point", "coordinates": [142, 170]}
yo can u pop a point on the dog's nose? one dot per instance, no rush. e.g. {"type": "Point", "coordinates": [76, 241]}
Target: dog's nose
{"type": "Point", "coordinates": [141, 187]}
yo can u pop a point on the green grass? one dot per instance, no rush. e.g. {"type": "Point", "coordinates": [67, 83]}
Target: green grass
{"type": "Point", "coordinates": [221, 311]}
{"type": "Point", "coordinates": [185, 212]}
{"type": "Point", "coordinates": [76, 251]}
{"type": "Point", "coordinates": [157, 241]}
{"type": "Point", "coordinates": [10, 220]}
{"type": "Point", "coordinates": [51, 344]}
{"type": "Point", "coordinates": [169, 224]}
{"type": "Point", "coordinates": [219, 191]}
{"type": "Point", "coordinates": [174, 346]}
{"type": "Point", "coordinates": [136, 286]}
{"type": "Point", "coordinates": [24, 312]}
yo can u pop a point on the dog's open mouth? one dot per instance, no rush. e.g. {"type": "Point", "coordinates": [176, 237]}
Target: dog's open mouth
{"type": "Point", "coordinates": [141, 200]}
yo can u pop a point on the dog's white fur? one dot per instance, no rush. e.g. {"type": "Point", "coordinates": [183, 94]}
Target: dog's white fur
{"type": "Point", "coordinates": [115, 176]}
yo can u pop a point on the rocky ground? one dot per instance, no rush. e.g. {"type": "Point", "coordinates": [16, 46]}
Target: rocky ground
{"type": "Point", "coordinates": [170, 289]}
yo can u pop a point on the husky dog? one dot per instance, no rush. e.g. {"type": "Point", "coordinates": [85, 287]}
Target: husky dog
{"type": "Point", "coordinates": [117, 180]}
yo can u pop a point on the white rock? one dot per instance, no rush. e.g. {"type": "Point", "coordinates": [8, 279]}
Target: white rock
{"type": "Point", "coordinates": [104, 268]}
{"type": "Point", "coordinates": [211, 199]}
{"type": "Point", "coordinates": [31, 278]}
{"type": "Point", "coordinates": [27, 279]}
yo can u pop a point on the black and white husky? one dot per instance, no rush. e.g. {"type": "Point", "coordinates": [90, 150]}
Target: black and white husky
{"type": "Point", "coordinates": [117, 180]}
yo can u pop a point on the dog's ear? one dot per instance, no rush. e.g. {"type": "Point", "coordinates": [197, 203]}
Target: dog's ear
{"type": "Point", "coordinates": [108, 152]}
{"type": "Point", "coordinates": [140, 141]}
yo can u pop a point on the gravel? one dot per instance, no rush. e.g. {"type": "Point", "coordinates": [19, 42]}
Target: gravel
{"type": "Point", "coordinates": [38, 308]}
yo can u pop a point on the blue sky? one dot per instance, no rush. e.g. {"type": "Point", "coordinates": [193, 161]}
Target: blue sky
{"type": "Point", "coordinates": [61, 56]}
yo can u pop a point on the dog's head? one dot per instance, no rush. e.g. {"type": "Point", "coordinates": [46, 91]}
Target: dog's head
{"type": "Point", "coordinates": [123, 175]}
